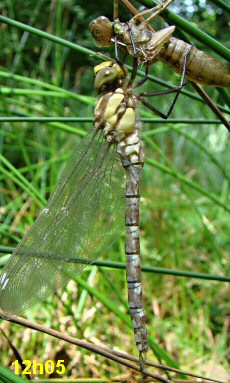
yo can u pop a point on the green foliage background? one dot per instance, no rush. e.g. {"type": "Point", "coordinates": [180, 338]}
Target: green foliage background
{"type": "Point", "coordinates": [181, 226]}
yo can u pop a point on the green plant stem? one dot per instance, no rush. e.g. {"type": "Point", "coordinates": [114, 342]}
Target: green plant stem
{"type": "Point", "coordinates": [44, 93]}
{"type": "Point", "coordinates": [91, 119]}
{"type": "Point", "coordinates": [60, 126]}
{"type": "Point", "coordinates": [43, 84]}
{"type": "Point", "coordinates": [48, 36]}
{"type": "Point", "coordinates": [7, 376]}
{"type": "Point", "coordinates": [148, 269]}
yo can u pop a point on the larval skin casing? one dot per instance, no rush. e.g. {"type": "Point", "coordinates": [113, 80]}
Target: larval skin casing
{"type": "Point", "coordinates": [152, 46]}
{"type": "Point", "coordinates": [201, 67]}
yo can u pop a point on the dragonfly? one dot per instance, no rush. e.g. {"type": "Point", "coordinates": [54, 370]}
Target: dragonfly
{"type": "Point", "coordinates": [150, 46]}
{"type": "Point", "coordinates": [84, 213]}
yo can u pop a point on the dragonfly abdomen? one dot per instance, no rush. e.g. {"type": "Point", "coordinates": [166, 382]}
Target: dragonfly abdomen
{"type": "Point", "coordinates": [133, 165]}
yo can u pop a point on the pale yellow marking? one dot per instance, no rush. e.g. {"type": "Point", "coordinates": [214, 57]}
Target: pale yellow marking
{"type": "Point", "coordinates": [112, 105]}
{"type": "Point", "coordinates": [108, 64]}
{"type": "Point", "coordinates": [127, 122]}
{"type": "Point", "coordinates": [97, 111]}
{"type": "Point", "coordinates": [119, 90]}
{"type": "Point", "coordinates": [103, 65]}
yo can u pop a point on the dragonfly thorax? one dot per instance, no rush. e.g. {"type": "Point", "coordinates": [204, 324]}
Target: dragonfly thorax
{"type": "Point", "coordinates": [115, 114]}
{"type": "Point", "coordinates": [115, 109]}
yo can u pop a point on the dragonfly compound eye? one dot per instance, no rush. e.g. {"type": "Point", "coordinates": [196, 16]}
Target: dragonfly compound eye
{"type": "Point", "coordinates": [102, 31]}
{"type": "Point", "coordinates": [109, 75]}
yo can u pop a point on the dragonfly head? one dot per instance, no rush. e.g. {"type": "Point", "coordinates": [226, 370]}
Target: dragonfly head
{"type": "Point", "coordinates": [108, 76]}
{"type": "Point", "coordinates": [102, 31]}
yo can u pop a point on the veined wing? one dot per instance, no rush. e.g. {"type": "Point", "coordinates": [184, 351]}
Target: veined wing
{"type": "Point", "coordinates": [81, 217]}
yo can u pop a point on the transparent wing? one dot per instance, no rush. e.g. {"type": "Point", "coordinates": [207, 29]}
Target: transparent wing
{"type": "Point", "coordinates": [82, 216]}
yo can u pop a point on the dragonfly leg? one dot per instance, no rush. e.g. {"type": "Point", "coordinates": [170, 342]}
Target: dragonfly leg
{"type": "Point", "coordinates": [102, 55]}
{"type": "Point", "coordinates": [176, 90]}
{"type": "Point", "coordinates": [115, 38]}
{"type": "Point", "coordinates": [167, 91]}
{"type": "Point", "coordinates": [132, 39]}
{"type": "Point", "coordinates": [144, 79]}
{"type": "Point", "coordinates": [116, 48]}
{"type": "Point", "coordinates": [115, 9]}
{"type": "Point", "coordinates": [134, 71]}
{"type": "Point", "coordinates": [154, 12]}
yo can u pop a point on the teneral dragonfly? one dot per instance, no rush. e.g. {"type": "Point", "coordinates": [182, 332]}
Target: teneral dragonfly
{"type": "Point", "coordinates": [115, 113]}
{"type": "Point", "coordinates": [149, 47]}
{"type": "Point", "coordinates": [84, 211]}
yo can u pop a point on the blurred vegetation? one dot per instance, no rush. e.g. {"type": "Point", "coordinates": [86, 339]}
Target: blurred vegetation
{"type": "Point", "coordinates": [181, 228]}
